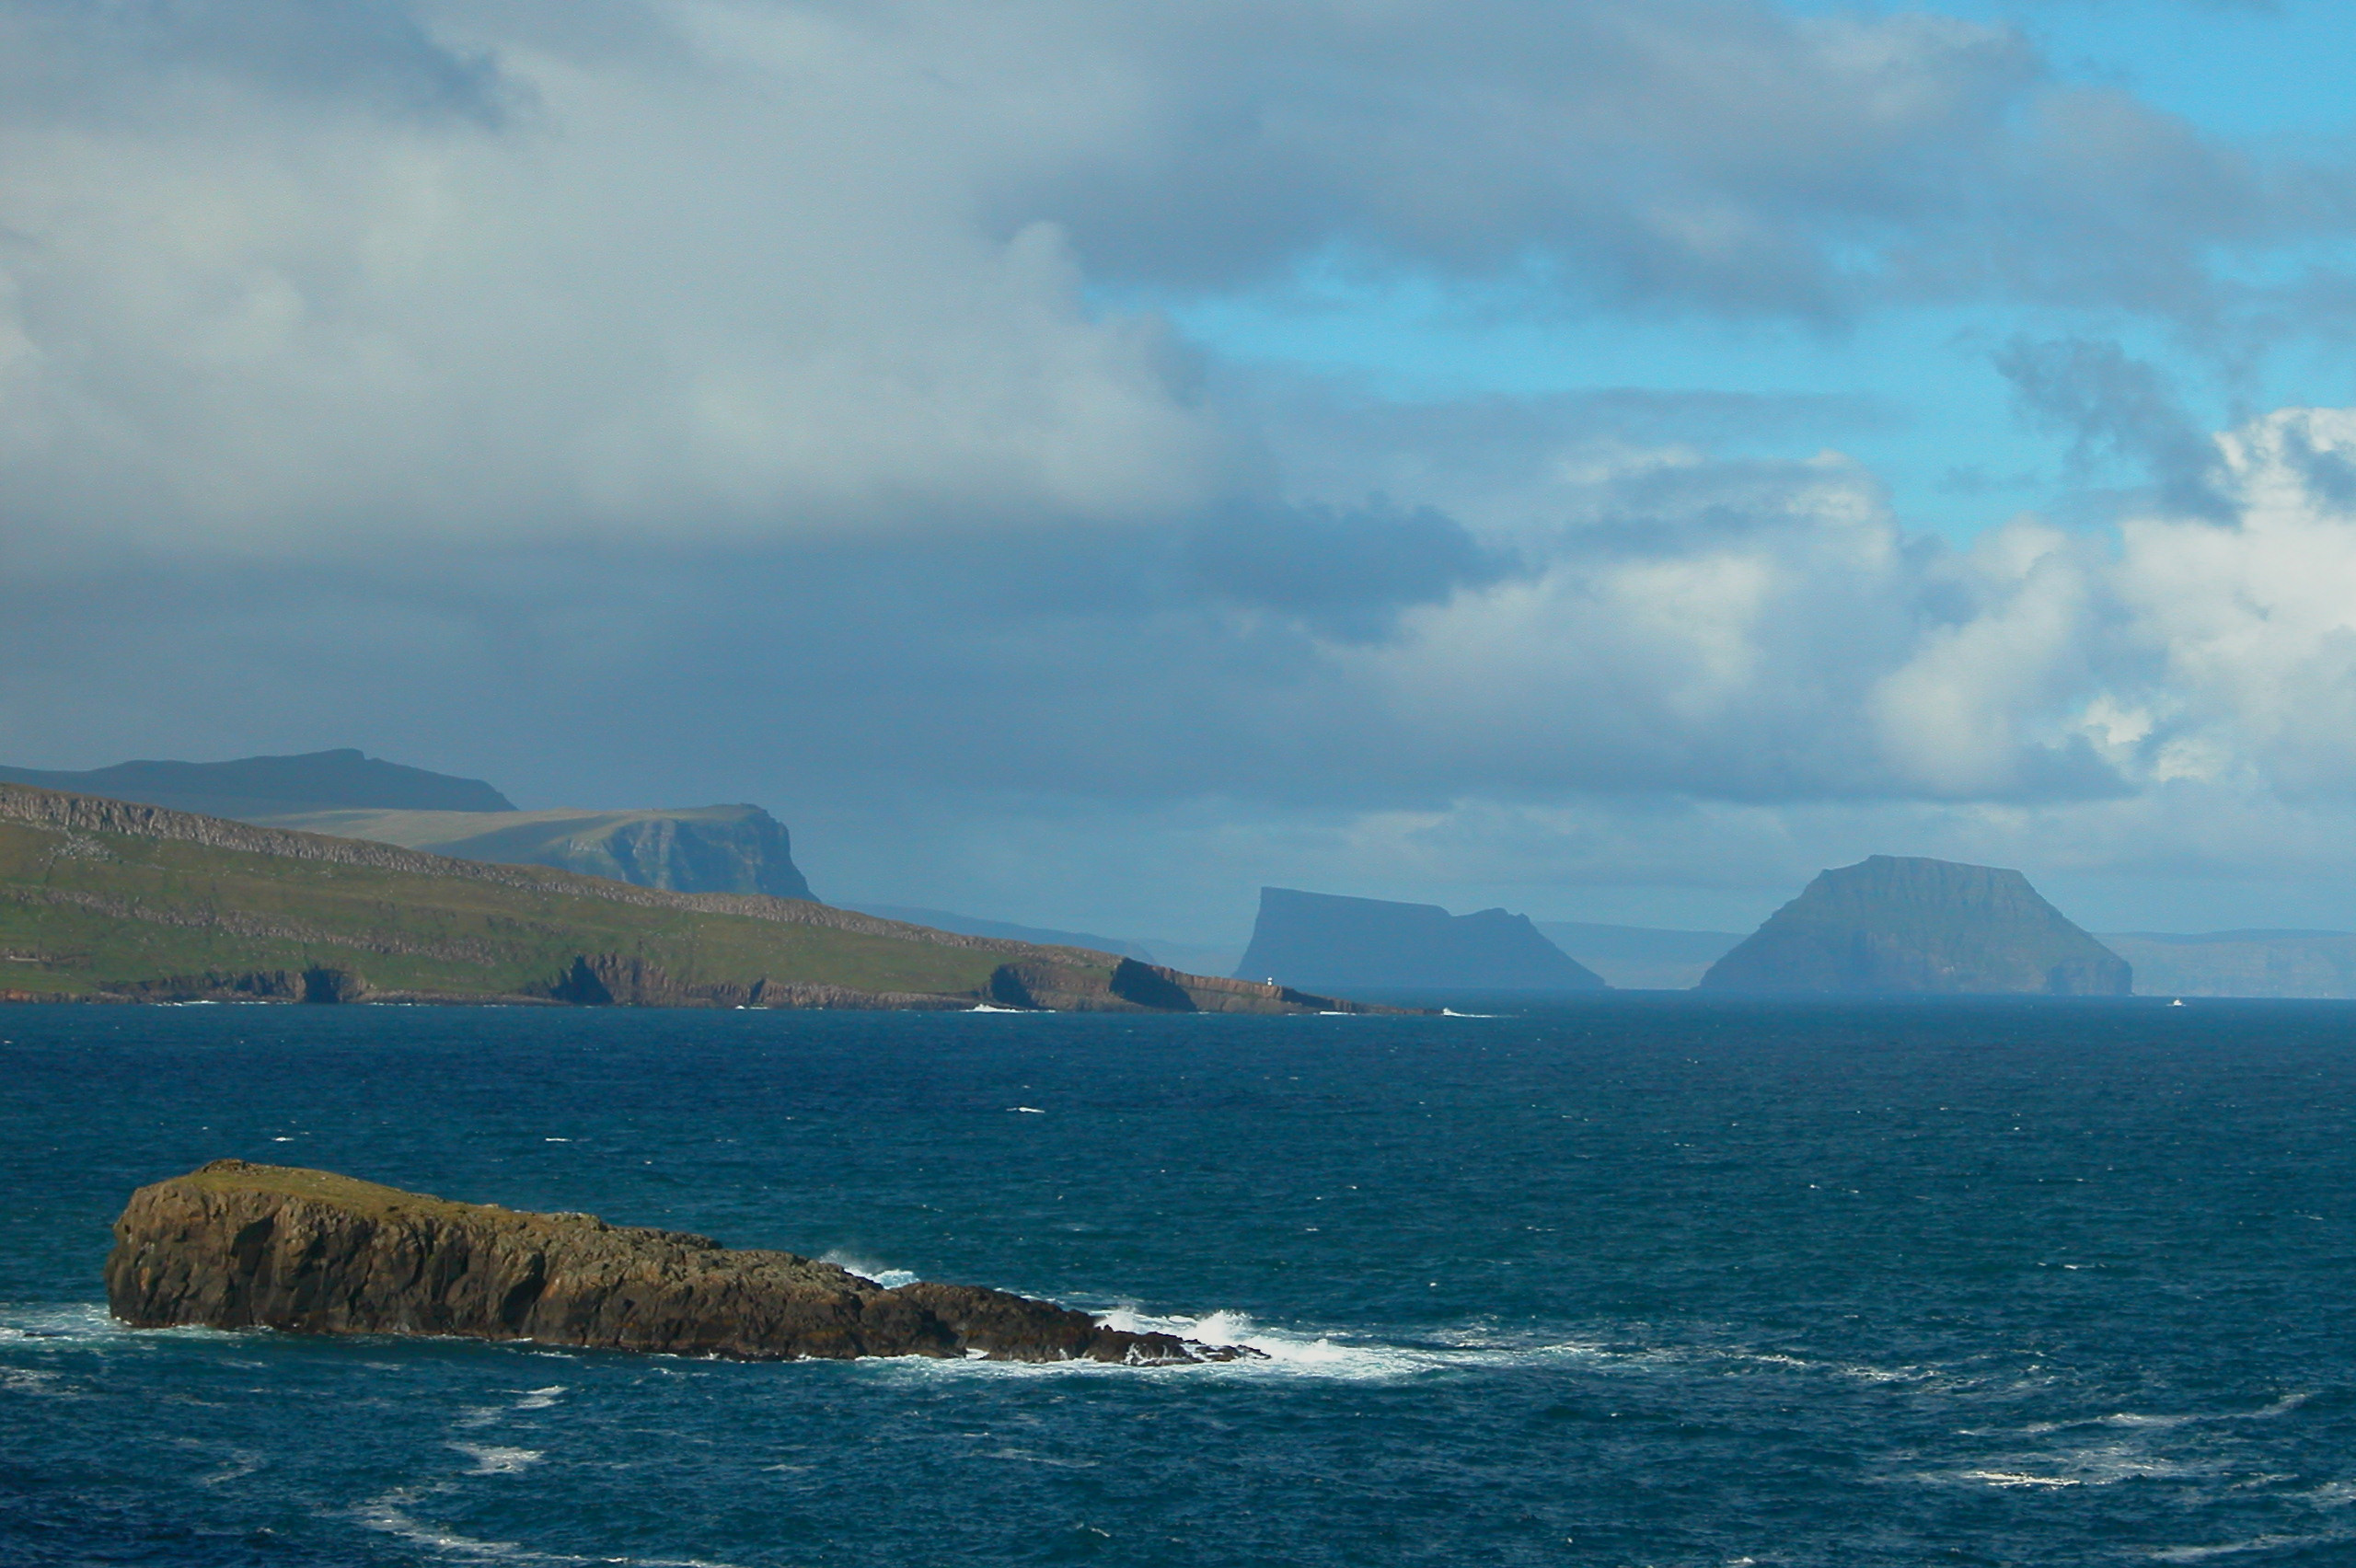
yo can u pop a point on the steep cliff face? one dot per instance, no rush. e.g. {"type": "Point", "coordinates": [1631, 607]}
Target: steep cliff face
{"type": "Point", "coordinates": [740, 849]}
{"type": "Point", "coordinates": [234, 1245]}
{"type": "Point", "coordinates": [1891, 924]}
{"type": "Point", "coordinates": [1326, 940]}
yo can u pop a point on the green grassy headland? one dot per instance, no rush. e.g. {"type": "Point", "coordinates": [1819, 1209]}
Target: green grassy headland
{"type": "Point", "coordinates": [100, 900]}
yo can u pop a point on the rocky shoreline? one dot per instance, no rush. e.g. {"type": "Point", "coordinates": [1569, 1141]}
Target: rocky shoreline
{"type": "Point", "coordinates": [234, 1245]}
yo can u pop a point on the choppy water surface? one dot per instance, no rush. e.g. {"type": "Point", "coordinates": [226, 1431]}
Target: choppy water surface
{"type": "Point", "coordinates": [1638, 1283]}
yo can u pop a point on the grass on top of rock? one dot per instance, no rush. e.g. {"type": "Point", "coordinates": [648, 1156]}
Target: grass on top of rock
{"type": "Point", "coordinates": [96, 914]}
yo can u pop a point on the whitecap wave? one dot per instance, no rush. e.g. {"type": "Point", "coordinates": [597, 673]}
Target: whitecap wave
{"type": "Point", "coordinates": [391, 1515]}
{"type": "Point", "coordinates": [29, 1381]}
{"type": "Point", "coordinates": [2236, 1548]}
{"type": "Point", "coordinates": [1284, 1351]}
{"type": "Point", "coordinates": [889, 1278]}
{"type": "Point", "coordinates": [2017, 1479]}
{"type": "Point", "coordinates": [79, 1321]}
{"type": "Point", "coordinates": [491, 1460]}
{"type": "Point", "coordinates": [241, 1465]}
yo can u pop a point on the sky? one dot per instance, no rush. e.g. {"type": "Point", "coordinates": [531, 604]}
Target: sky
{"type": "Point", "coordinates": [1076, 463]}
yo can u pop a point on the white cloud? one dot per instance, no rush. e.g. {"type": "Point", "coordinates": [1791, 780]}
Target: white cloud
{"type": "Point", "coordinates": [745, 361]}
{"type": "Point", "coordinates": [732, 289]}
{"type": "Point", "coordinates": [328, 279]}
{"type": "Point", "coordinates": [2254, 621]}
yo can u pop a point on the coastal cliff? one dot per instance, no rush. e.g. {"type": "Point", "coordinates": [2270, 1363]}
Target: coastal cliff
{"type": "Point", "coordinates": [739, 849]}
{"type": "Point", "coordinates": [236, 1245]}
{"type": "Point", "coordinates": [1330, 941]}
{"type": "Point", "coordinates": [730, 850]}
{"type": "Point", "coordinates": [104, 900]}
{"type": "Point", "coordinates": [1894, 924]}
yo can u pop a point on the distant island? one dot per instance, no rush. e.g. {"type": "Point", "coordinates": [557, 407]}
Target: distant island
{"type": "Point", "coordinates": [238, 1246]}
{"type": "Point", "coordinates": [1328, 940]}
{"type": "Point", "coordinates": [726, 849]}
{"type": "Point", "coordinates": [1894, 924]}
{"type": "Point", "coordinates": [107, 900]}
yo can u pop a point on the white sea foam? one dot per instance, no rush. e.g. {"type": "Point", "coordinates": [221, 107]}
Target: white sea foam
{"type": "Point", "coordinates": [491, 1461]}
{"type": "Point", "coordinates": [2236, 1548]}
{"type": "Point", "coordinates": [28, 1380]}
{"type": "Point", "coordinates": [532, 1399]}
{"type": "Point", "coordinates": [391, 1515]}
{"type": "Point", "coordinates": [80, 1321]}
{"type": "Point", "coordinates": [241, 1465]}
{"type": "Point", "coordinates": [1320, 1356]}
{"type": "Point", "coordinates": [889, 1278]}
{"type": "Point", "coordinates": [2020, 1479]}
{"type": "Point", "coordinates": [2128, 1418]}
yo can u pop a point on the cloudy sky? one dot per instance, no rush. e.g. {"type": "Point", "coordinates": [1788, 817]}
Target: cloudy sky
{"type": "Point", "coordinates": [1078, 460]}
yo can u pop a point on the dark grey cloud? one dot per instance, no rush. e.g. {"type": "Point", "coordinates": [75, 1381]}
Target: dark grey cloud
{"type": "Point", "coordinates": [79, 56]}
{"type": "Point", "coordinates": [1714, 154]}
{"type": "Point", "coordinates": [2111, 404]}
{"type": "Point", "coordinates": [1346, 573]}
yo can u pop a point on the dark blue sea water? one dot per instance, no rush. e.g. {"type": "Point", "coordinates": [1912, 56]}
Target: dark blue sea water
{"type": "Point", "coordinates": [1644, 1282]}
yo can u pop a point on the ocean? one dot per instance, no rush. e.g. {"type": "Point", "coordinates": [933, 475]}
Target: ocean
{"type": "Point", "coordinates": [1646, 1280]}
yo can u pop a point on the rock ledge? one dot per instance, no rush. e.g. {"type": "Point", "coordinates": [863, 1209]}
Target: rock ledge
{"type": "Point", "coordinates": [236, 1245]}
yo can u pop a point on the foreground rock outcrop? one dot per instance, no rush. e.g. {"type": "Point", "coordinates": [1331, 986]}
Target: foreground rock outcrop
{"type": "Point", "coordinates": [1894, 924]}
{"type": "Point", "coordinates": [236, 1245]}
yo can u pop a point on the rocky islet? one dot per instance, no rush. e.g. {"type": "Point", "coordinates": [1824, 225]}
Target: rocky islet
{"type": "Point", "coordinates": [236, 1245]}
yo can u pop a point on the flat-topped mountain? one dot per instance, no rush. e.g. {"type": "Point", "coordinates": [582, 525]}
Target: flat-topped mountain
{"type": "Point", "coordinates": [106, 900]}
{"type": "Point", "coordinates": [1895, 924]}
{"type": "Point", "coordinates": [237, 1245]}
{"type": "Point", "coordinates": [1322, 938]}
{"type": "Point", "coordinates": [733, 849]}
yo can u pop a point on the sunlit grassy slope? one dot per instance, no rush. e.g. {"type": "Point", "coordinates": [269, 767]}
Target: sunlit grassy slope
{"type": "Point", "coordinates": [106, 899]}
{"type": "Point", "coordinates": [85, 913]}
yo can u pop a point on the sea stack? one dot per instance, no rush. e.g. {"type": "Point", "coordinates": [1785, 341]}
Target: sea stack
{"type": "Point", "coordinates": [1892, 923]}
{"type": "Point", "coordinates": [1326, 939]}
{"type": "Point", "coordinates": [234, 1245]}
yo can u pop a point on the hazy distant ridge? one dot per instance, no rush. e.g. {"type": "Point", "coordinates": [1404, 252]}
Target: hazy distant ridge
{"type": "Point", "coordinates": [2239, 964]}
{"type": "Point", "coordinates": [252, 786]}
